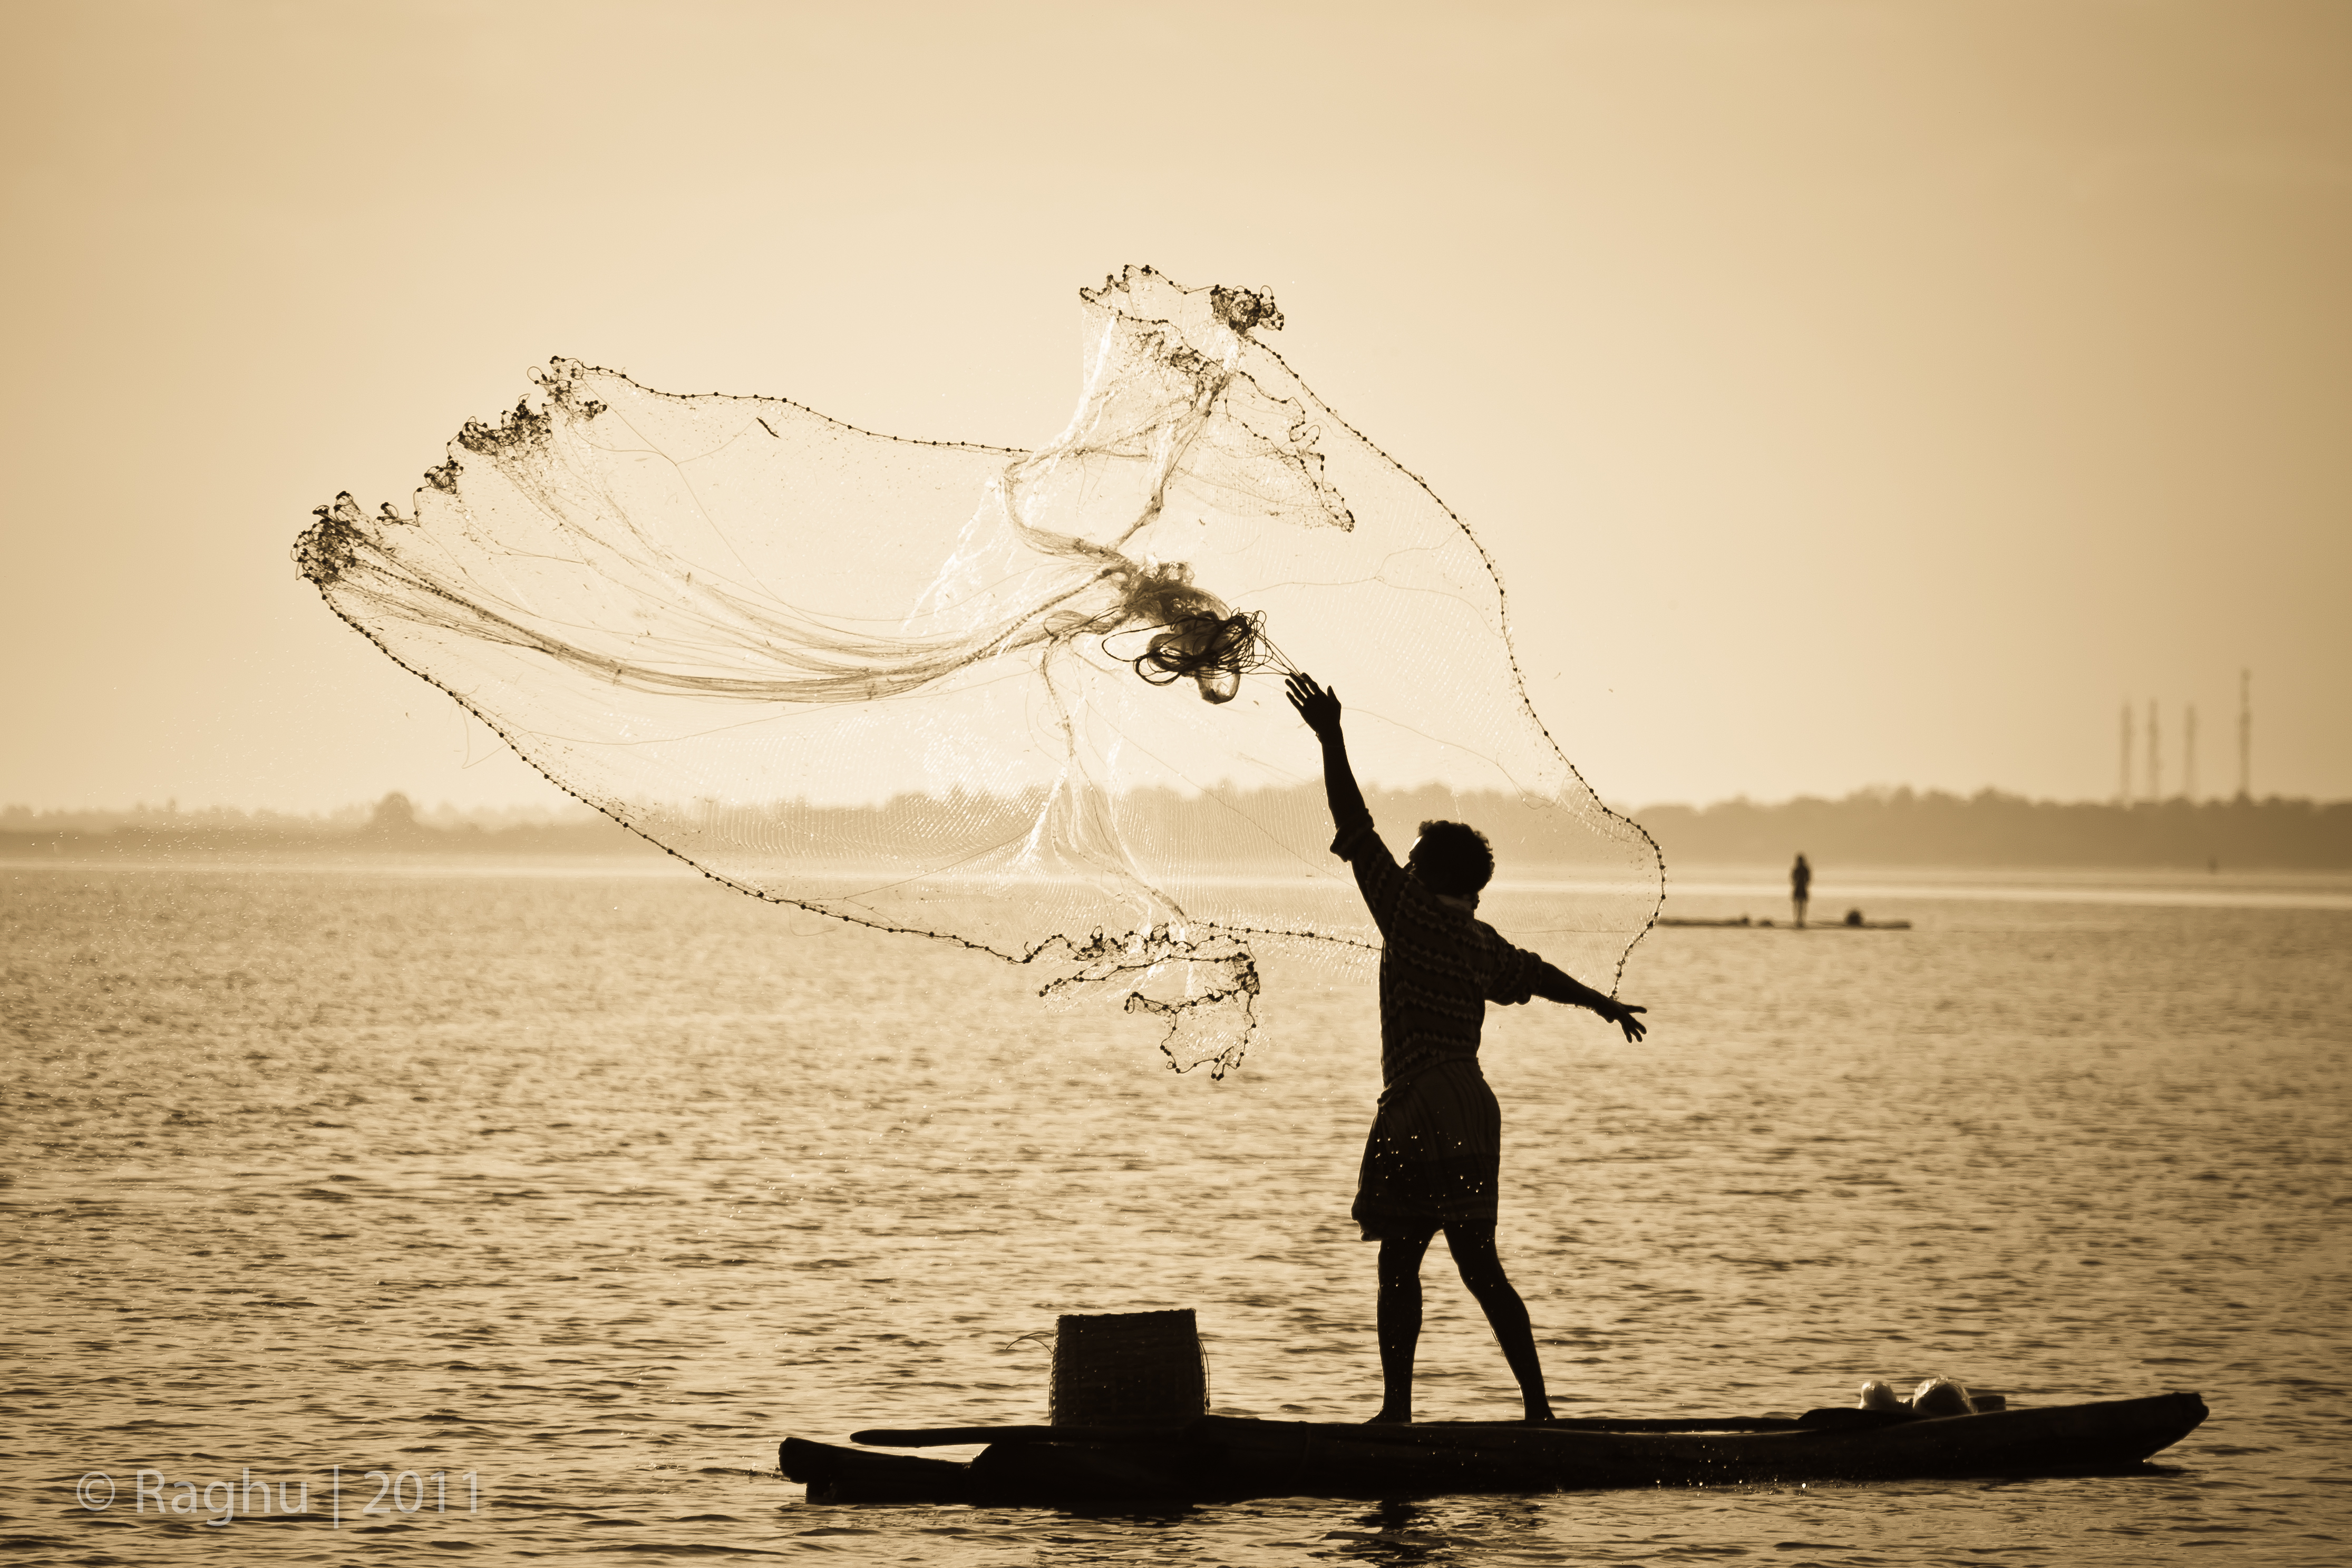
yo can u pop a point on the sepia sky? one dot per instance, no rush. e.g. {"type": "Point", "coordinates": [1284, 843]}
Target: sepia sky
{"type": "Point", "coordinates": [1849, 393]}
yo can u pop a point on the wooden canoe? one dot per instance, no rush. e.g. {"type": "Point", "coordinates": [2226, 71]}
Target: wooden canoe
{"type": "Point", "coordinates": [1223, 1459]}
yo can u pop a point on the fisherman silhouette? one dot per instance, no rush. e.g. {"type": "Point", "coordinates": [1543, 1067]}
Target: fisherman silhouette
{"type": "Point", "coordinates": [1435, 1153]}
{"type": "Point", "coordinates": [1800, 888]}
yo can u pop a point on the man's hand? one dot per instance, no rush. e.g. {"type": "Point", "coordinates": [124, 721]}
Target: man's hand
{"type": "Point", "coordinates": [1318, 707]}
{"type": "Point", "coordinates": [1621, 1015]}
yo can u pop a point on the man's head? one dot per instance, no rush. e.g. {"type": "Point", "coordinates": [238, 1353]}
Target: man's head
{"type": "Point", "coordinates": [1452, 858]}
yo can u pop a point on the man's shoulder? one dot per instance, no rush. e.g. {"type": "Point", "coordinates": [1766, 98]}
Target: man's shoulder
{"type": "Point", "coordinates": [1500, 949]}
{"type": "Point", "coordinates": [1495, 939]}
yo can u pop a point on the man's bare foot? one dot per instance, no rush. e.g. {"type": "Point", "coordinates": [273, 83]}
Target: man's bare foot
{"type": "Point", "coordinates": [1386, 1418]}
{"type": "Point", "coordinates": [1539, 1413]}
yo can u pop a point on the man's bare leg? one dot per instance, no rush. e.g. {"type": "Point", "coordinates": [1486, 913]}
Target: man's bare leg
{"type": "Point", "coordinates": [1482, 1271]}
{"type": "Point", "coordinates": [1399, 1322]}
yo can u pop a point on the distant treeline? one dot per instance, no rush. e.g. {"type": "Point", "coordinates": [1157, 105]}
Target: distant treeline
{"type": "Point", "coordinates": [1269, 829]}
{"type": "Point", "coordinates": [1899, 827]}
{"type": "Point", "coordinates": [392, 825]}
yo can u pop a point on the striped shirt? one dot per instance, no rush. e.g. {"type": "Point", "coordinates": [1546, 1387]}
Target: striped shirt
{"type": "Point", "coordinates": [1440, 964]}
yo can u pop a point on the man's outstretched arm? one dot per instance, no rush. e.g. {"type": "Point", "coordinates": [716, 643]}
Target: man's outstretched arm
{"type": "Point", "coordinates": [1555, 985]}
{"type": "Point", "coordinates": [1321, 709]}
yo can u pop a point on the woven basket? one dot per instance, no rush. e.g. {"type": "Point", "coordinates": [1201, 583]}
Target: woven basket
{"type": "Point", "coordinates": [1128, 1369]}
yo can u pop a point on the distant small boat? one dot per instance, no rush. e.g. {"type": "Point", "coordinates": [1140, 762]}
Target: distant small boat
{"type": "Point", "coordinates": [1226, 1458]}
{"type": "Point", "coordinates": [1852, 922]}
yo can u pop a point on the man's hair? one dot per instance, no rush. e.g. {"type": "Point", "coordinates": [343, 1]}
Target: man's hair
{"type": "Point", "coordinates": [1453, 857]}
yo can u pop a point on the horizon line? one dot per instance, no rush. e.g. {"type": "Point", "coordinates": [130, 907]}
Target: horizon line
{"type": "Point", "coordinates": [14, 813]}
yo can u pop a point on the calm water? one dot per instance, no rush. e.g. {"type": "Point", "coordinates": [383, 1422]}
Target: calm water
{"type": "Point", "coordinates": [573, 1192]}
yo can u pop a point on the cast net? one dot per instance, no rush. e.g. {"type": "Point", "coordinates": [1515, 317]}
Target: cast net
{"type": "Point", "coordinates": [1026, 701]}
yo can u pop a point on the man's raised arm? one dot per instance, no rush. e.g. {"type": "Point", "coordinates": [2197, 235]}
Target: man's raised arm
{"type": "Point", "coordinates": [1321, 709]}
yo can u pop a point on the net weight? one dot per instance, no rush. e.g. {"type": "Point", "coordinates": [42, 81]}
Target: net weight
{"type": "Point", "coordinates": [395, 1486]}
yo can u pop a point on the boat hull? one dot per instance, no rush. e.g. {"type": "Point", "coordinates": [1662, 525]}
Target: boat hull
{"type": "Point", "coordinates": [1227, 1459]}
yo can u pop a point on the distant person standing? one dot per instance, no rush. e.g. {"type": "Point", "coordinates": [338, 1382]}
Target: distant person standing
{"type": "Point", "coordinates": [1800, 888]}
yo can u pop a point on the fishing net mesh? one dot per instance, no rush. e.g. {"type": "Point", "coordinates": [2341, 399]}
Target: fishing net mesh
{"type": "Point", "coordinates": [1026, 701]}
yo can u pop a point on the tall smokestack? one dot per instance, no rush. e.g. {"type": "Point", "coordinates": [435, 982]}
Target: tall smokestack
{"type": "Point", "coordinates": [2123, 769]}
{"type": "Point", "coordinates": [2245, 734]}
{"type": "Point", "coordinates": [2154, 757]}
{"type": "Point", "coordinates": [2188, 754]}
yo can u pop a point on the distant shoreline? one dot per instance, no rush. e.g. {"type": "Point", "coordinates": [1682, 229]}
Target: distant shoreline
{"type": "Point", "coordinates": [1879, 828]}
{"type": "Point", "coordinates": [1698, 895]}
{"type": "Point", "coordinates": [623, 854]}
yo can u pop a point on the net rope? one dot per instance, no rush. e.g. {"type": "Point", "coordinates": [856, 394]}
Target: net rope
{"type": "Point", "coordinates": [998, 697]}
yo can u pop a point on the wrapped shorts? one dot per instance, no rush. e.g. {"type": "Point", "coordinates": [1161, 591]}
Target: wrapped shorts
{"type": "Point", "coordinates": [1434, 1156]}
